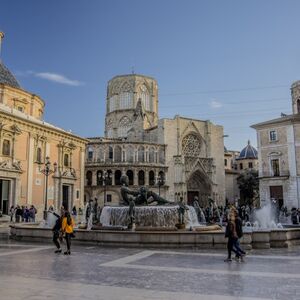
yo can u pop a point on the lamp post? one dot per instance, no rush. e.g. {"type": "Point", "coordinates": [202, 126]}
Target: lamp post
{"type": "Point", "coordinates": [160, 182]}
{"type": "Point", "coordinates": [47, 171]}
{"type": "Point", "coordinates": [105, 178]}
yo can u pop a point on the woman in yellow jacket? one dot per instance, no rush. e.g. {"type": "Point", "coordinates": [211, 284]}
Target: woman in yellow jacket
{"type": "Point", "coordinates": [68, 229]}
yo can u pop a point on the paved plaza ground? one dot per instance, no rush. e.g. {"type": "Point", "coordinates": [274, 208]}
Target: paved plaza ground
{"type": "Point", "coordinates": [33, 271]}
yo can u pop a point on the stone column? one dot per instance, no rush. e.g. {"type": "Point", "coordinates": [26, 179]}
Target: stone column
{"type": "Point", "coordinates": [94, 178]}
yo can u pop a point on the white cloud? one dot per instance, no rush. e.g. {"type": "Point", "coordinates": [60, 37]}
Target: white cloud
{"type": "Point", "coordinates": [57, 78]}
{"type": "Point", "coordinates": [215, 104]}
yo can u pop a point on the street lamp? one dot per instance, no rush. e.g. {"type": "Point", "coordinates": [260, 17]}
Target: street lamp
{"type": "Point", "coordinates": [47, 171]}
{"type": "Point", "coordinates": [105, 179]}
{"type": "Point", "coordinates": [160, 182]}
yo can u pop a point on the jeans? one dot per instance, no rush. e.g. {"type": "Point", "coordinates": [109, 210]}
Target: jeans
{"type": "Point", "coordinates": [55, 239]}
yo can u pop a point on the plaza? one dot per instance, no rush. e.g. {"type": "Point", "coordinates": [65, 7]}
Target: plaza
{"type": "Point", "coordinates": [33, 271]}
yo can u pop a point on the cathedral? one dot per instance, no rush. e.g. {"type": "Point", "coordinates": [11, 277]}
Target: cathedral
{"type": "Point", "coordinates": [179, 157]}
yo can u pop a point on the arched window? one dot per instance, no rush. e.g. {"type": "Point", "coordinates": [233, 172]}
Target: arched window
{"type": "Point", "coordinates": [39, 155]}
{"type": "Point", "coordinates": [108, 177]}
{"type": "Point", "coordinates": [130, 175]}
{"type": "Point", "coordinates": [151, 178]}
{"type": "Point", "coordinates": [110, 152]}
{"type": "Point", "coordinates": [118, 175]}
{"type": "Point", "coordinates": [113, 101]}
{"type": "Point", "coordinates": [99, 178]}
{"type": "Point", "coordinates": [141, 157]}
{"type": "Point", "coordinates": [118, 154]}
{"type": "Point", "coordinates": [124, 126]}
{"type": "Point", "coordinates": [126, 100]}
{"type": "Point", "coordinates": [143, 94]}
{"type": "Point", "coordinates": [161, 178]}
{"type": "Point", "coordinates": [141, 177]}
{"type": "Point", "coordinates": [66, 160]}
{"type": "Point", "coordinates": [90, 153]}
{"type": "Point", "coordinates": [129, 154]}
{"type": "Point", "coordinates": [89, 178]}
{"type": "Point", "coordinates": [298, 106]}
{"type": "Point", "coordinates": [151, 155]}
{"type": "Point", "coordinates": [6, 147]}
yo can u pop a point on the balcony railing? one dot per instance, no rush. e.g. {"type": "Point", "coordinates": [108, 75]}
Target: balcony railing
{"type": "Point", "coordinates": [284, 173]}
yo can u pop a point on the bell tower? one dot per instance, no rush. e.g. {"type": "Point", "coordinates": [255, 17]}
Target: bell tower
{"type": "Point", "coordinates": [127, 95]}
{"type": "Point", "coordinates": [295, 91]}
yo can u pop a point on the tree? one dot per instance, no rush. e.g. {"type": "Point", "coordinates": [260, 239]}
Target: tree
{"type": "Point", "coordinates": [248, 185]}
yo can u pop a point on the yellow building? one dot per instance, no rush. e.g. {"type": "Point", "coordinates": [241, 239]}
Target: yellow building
{"type": "Point", "coordinates": [26, 141]}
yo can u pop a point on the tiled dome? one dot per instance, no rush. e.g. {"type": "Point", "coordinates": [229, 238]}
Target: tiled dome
{"type": "Point", "coordinates": [6, 77]}
{"type": "Point", "coordinates": [248, 152]}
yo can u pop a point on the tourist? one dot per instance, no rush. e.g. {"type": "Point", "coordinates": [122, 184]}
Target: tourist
{"type": "Point", "coordinates": [231, 234]}
{"type": "Point", "coordinates": [74, 211]}
{"type": "Point", "coordinates": [57, 233]}
{"type": "Point", "coordinates": [68, 230]}
{"type": "Point", "coordinates": [240, 253]}
{"type": "Point", "coordinates": [32, 212]}
{"type": "Point", "coordinates": [19, 213]}
{"type": "Point", "coordinates": [11, 213]}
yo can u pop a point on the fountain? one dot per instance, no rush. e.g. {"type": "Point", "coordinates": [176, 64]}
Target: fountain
{"type": "Point", "coordinates": [147, 216]}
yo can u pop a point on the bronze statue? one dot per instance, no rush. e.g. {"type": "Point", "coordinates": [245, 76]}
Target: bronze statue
{"type": "Point", "coordinates": [142, 196]}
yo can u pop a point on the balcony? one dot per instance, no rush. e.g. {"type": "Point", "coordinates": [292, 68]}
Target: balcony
{"type": "Point", "coordinates": [270, 174]}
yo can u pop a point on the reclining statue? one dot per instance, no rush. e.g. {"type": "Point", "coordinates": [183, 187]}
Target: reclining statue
{"type": "Point", "coordinates": [142, 196]}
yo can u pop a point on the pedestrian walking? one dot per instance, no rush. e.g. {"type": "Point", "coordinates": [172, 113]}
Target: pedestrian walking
{"type": "Point", "coordinates": [240, 253]}
{"type": "Point", "coordinates": [231, 234]}
{"type": "Point", "coordinates": [11, 213]}
{"type": "Point", "coordinates": [68, 230]}
{"type": "Point", "coordinates": [57, 233]}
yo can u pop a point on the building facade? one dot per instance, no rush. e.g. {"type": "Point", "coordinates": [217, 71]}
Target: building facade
{"type": "Point", "coordinates": [26, 141]}
{"type": "Point", "coordinates": [179, 157]}
{"type": "Point", "coordinates": [279, 156]}
{"type": "Point", "coordinates": [237, 162]}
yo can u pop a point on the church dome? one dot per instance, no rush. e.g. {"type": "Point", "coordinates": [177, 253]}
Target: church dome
{"type": "Point", "coordinates": [248, 152]}
{"type": "Point", "coordinates": [6, 77]}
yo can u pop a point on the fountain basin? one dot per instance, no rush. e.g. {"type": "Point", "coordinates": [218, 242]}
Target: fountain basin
{"type": "Point", "coordinates": [163, 238]}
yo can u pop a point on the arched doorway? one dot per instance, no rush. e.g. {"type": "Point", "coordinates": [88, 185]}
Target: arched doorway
{"type": "Point", "coordinates": [199, 185]}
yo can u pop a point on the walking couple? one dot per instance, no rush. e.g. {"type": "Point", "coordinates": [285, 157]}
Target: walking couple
{"type": "Point", "coordinates": [64, 227]}
{"type": "Point", "coordinates": [234, 232]}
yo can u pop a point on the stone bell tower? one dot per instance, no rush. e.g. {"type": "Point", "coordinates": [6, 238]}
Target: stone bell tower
{"type": "Point", "coordinates": [295, 91]}
{"type": "Point", "coordinates": [126, 93]}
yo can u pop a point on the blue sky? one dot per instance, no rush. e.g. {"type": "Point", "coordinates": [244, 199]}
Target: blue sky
{"type": "Point", "coordinates": [228, 61]}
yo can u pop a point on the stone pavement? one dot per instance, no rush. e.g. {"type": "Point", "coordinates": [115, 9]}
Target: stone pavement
{"type": "Point", "coordinates": [33, 271]}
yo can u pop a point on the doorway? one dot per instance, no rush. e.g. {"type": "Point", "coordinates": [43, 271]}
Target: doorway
{"type": "Point", "coordinates": [4, 196]}
{"type": "Point", "coordinates": [191, 196]}
{"type": "Point", "coordinates": [66, 196]}
{"type": "Point", "coordinates": [276, 192]}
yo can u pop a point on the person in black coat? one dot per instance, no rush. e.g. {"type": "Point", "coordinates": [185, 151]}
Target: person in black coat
{"type": "Point", "coordinates": [56, 232]}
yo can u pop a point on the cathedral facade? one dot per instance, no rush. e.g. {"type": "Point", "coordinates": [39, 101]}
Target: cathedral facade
{"type": "Point", "coordinates": [179, 157]}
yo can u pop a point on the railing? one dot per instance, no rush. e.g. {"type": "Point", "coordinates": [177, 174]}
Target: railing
{"type": "Point", "coordinates": [284, 173]}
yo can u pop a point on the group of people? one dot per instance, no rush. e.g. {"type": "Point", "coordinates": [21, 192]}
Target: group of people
{"type": "Point", "coordinates": [63, 229]}
{"type": "Point", "coordinates": [22, 213]}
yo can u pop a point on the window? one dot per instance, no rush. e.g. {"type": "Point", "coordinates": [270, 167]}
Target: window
{"type": "Point", "coordinates": [39, 155]}
{"type": "Point", "coordinates": [6, 147]}
{"type": "Point", "coordinates": [126, 100]}
{"type": "Point", "coordinates": [66, 160]}
{"type": "Point", "coordinates": [273, 135]}
{"type": "Point", "coordinates": [225, 162]}
{"type": "Point", "coordinates": [151, 178]}
{"type": "Point", "coordinates": [110, 152]}
{"type": "Point", "coordinates": [108, 198]}
{"type": "Point", "coordinates": [89, 177]}
{"type": "Point", "coordinates": [250, 165]}
{"type": "Point", "coordinates": [77, 194]}
{"type": "Point", "coordinates": [275, 167]}
{"type": "Point", "coordinates": [130, 175]}
{"type": "Point", "coordinates": [141, 178]}
{"type": "Point", "coordinates": [90, 155]}
{"type": "Point", "coordinates": [20, 108]}
{"type": "Point", "coordinates": [241, 166]}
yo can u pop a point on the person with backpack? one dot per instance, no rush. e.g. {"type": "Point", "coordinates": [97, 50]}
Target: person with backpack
{"type": "Point", "coordinates": [68, 229]}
